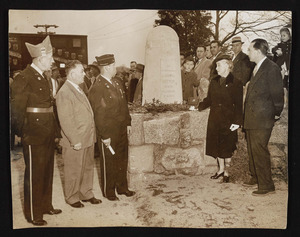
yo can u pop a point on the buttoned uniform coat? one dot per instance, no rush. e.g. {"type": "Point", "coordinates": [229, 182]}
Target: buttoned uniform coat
{"type": "Point", "coordinates": [77, 126]}
{"type": "Point", "coordinates": [226, 108]}
{"type": "Point", "coordinates": [242, 68]}
{"type": "Point", "coordinates": [264, 98]}
{"type": "Point", "coordinates": [37, 130]}
{"type": "Point", "coordinates": [112, 117]}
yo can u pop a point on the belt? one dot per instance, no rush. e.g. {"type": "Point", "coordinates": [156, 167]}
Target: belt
{"type": "Point", "coordinates": [39, 110]}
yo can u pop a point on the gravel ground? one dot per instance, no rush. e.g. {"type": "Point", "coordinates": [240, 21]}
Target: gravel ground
{"type": "Point", "coordinates": [161, 201]}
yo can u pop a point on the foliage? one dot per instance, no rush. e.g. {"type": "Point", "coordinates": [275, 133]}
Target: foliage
{"type": "Point", "coordinates": [190, 26]}
{"type": "Point", "coordinates": [157, 106]}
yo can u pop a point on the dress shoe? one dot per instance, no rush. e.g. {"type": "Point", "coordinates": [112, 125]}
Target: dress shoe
{"type": "Point", "coordinates": [113, 198]}
{"type": "Point", "coordinates": [77, 205]}
{"type": "Point", "coordinates": [250, 183]}
{"type": "Point", "coordinates": [263, 192]}
{"type": "Point", "coordinates": [128, 193]}
{"type": "Point", "coordinates": [225, 179]}
{"type": "Point", "coordinates": [93, 200]}
{"type": "Point", "coordinates": [53, 212]}
{"type": "Point", "coordinates": [39, 222]}
{"type": "Point", "coordinates": [216, 175]}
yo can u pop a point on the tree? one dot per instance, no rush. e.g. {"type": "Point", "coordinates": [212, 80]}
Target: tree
{"type": "Point", "coordinates": [260, 23]}
{"type": "Point", "coordinates": [190, 26]}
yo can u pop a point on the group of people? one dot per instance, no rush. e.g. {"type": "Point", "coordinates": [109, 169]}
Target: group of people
{"type": "Point", "coordinates": [79, 118]}
{"type": "Point", "coordinates": [90, 106]}
{"type": "Point", "coordinates": [245, 91]}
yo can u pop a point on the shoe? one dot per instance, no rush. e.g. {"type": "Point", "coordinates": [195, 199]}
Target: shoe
{"type": "Point", "coordinates": [93, 200]}
{"type": "Point", "coordinates": [39, 222]}
{"type": "Point", "coordinates": [53, 212]}
{"type": "Point", "coordinates": [250, 182]}
{"type": "Point", "coordinates": [263, 192]}
{"type": "Point", "coordinates": [225, 179]}
{"type": "Point", "coordinates": [113, 198]}
{"type": "Point", "coordinates": [128, 193]}
{"type": "Point", "coordinates": [77, 205]}
{"type": "Point", "coordinates": [216, 175]}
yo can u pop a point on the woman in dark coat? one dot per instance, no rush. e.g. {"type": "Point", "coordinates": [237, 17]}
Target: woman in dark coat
{"type": "Point", "coordinates": [225, 99]}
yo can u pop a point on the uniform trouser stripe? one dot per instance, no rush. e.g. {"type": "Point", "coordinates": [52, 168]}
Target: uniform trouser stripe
{"type": "Point", "coordinates": [30, 181]}
{"type": "Point", "coordinates": [104, 170]}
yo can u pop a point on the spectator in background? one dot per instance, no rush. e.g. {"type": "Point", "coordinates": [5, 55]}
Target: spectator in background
{"type": "Point", "coordinates": [208, 54]}
{"type": "Point", "coordinates": [182, 57]}
{"type": "Point", "coordinates": [139, 88]}
{"type": "Point", "coordinates": [282, 54]}
{"type": "Point", "coordinates": [215, 48]}
{"type": "Point", "coordinates": [189, 80]}
{"type": "Point", "coordinates": [242, 67]}
{"type": "Point", "coordinates": [202, 69]}
{"type": "Point", "coordinates": [95, 71]}
{"type": "Point", "coordinates": [88, 77]}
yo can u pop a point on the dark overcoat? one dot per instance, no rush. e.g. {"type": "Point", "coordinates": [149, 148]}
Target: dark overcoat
{"type": "Point", "coordinates": [242, 68]}
{"type": "Point", "coordinates": [226, 108]}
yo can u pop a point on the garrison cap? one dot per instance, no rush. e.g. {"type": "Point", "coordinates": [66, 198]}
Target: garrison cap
{"type": "Point", "coordinates": [41, 49]}
{"type": "Point", "coordinates": [105, 59]}
{"type": "Point", "coordinates": [140, 68]}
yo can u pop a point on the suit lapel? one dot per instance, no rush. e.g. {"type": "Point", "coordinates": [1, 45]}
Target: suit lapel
{"type": "Point", "coordinates": [80, 96]}
{"type": "Point", "coordinates": [254, 79]}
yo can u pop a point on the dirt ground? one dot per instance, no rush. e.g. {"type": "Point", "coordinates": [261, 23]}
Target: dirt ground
{"type": "Point", "coordinates": [161, 201]}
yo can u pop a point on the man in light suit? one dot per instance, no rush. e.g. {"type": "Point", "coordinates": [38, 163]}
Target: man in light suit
{"type": "Point", "coordinates": [202, 69]}
{"type": "Point", "coordinates": [263, 105]}
{"type": "Point", "coordinates": [78, 137]}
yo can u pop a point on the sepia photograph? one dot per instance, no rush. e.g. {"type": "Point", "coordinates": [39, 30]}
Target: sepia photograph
{"type": "Point", "coordinates": [149, 118]}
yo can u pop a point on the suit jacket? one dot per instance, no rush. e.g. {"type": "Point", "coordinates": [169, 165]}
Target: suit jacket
{"type": "Point", "coordinates": [203, 68]}
{"type": "Point", "coordinates": [242, 68]}
{"type": "Point", "coordinates": [76, 117]}
{"type": "Point", "coordinates": [110, 107]}
{"type": "Point", "coordinates": [264, 98]}
{"type": "Point", "coordinates": [31, 89]}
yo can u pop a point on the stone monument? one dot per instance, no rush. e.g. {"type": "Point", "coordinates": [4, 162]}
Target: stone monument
{"type": "Point", "coordinates": [162, 75]}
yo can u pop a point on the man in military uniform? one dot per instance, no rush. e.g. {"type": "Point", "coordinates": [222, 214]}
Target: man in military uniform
{"type": "Point", "coordinates": [34, 121]}
{"type": "Point", "coordinates": [113, 124]}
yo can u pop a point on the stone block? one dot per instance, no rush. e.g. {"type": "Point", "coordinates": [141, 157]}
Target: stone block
{"type": "Point", "coordinates": [275, 150]}
{"type": "Point", "coordinates": [183, 161]}
{"type": "Point", "coordinates": [137, 130]}
{"type": "Point", "coordinates": [185, 138]}
{"type": "Point", "coordinates": [163, 130]}
{"type": "Point", "coordinates": [280, 133]}
{"type": "Point", "coordinates": [198, 121]}
{"type": "Point", "coordinates": [140, 159]}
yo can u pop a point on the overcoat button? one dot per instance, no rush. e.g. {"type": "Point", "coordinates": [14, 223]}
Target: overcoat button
{"type": "Point", "coordinates": [37, 119]}
{"type": "Point", "coordinates": [41, 89]}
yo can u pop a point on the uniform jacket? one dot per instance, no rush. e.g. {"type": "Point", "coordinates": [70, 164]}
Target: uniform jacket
{"type": "Point", "coordinates": [76, 117]}
{"type": "Point", "coordinates": [30, 89]}
{"type": "Point", "coordinates": [189, 81]}
{"type": "Point", "coordinates": [242, 67]}
{"type": "Point", "coordinates": [109, 104]}
{"type": "Point", "coordinates": [264, 98]}
{"type": "Point", "coordinates": [226, 108]}
{"type": "Point", "coordinates": [203, 68]}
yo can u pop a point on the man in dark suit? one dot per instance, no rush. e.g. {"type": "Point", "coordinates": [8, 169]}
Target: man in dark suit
{"type": "Point", "coordinates": [215, 49]}
{"type": "Point", "coordinates": [263, 105]}
{"type": "Point", "coordinates": [242, 67]}
{"type": "Point", "coordinates": [113, 124]}
{"type": "Point", "coordinates": [78, 138]}
{"type": "Point", "coordinates": [32, 115]}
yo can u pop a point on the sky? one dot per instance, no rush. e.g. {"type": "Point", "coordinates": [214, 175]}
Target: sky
{"type": "Point", "coordinates": [120, 32]}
